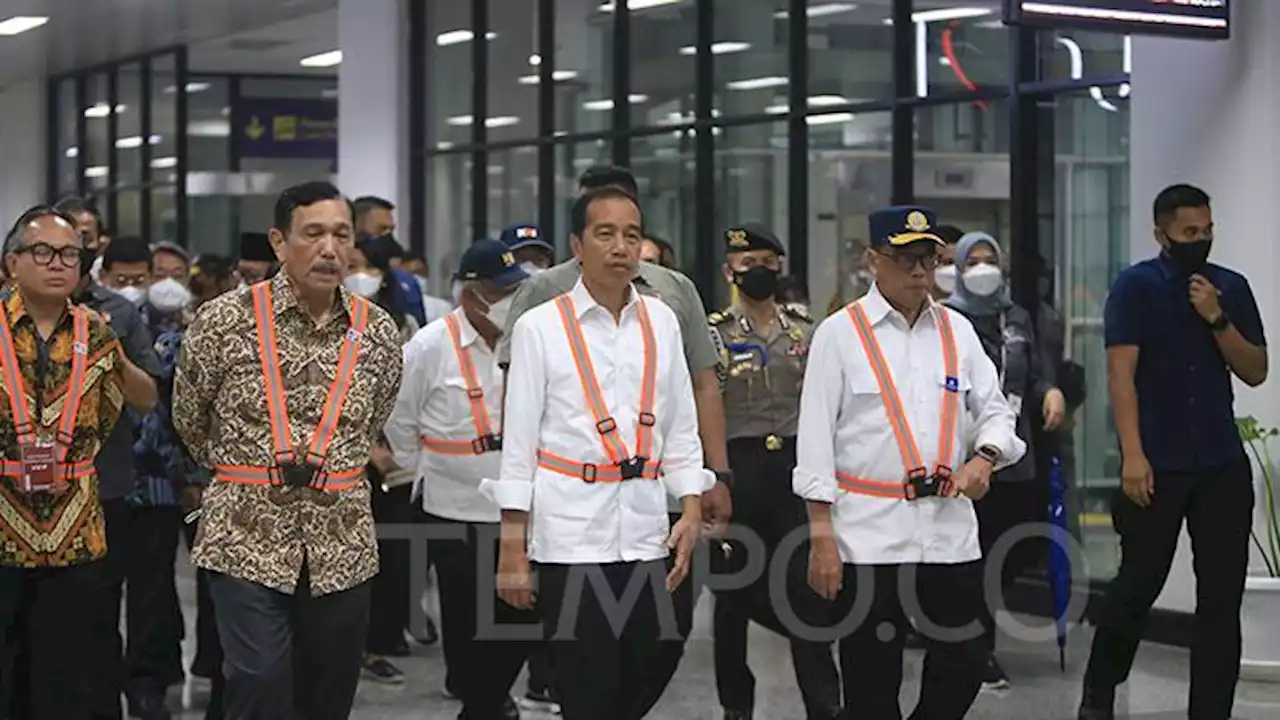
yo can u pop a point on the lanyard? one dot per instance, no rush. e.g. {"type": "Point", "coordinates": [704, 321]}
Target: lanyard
{"type": "Point", "coordinates": [12, 373]}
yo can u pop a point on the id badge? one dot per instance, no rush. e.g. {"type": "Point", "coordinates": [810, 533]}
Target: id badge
{"type": "Point", "coordinates": [39, 467]}
{"type": "Point", "coordinates": [1015, 402]}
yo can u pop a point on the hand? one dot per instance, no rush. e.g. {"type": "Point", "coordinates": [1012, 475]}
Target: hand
{"type": "Point", "coordinates": [826, 573]}
{"type": "Point", "coordinates": [515, 579]}
{"type": "Point", "coordinates": [380, 457]}
{"type": "Point", "coordinates": [683, 536]}
{"type": "Point", "coordinates": [1204, 297]}
{"type": "Point", "coordinates": [191, 498]}
{"type": "Point", "coordinates": [1137, 480]}
{"type": "Point", "coordinates": [717, 509]}
{"type": "Point", "coordinates": [974, 479]}
{"type": "Point", "coordinates": [1055, 408]}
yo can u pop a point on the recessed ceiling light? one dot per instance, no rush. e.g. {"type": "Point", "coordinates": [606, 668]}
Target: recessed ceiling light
{"type": "Point", "coordinates": [633, 5]}
{"type": "Point", "coordinates": [832, 119]}
{"type": "Point", "coordinates": [192, 87]}
{"type": "Point", "coordinates": [102, 110]}
{"type": "Point", "coordinates": [167, 161]}
{"type": "Point", "coordinates": [72, 151]}
{"type": "Point", "coordinates": [19, 24]}
{"type": "Point", "coordinates": [135, 141]}
{"type": "Point", "coordinates": [535, 59]}
{"type": "Point", "coordinates": [720, 48]}
{"type": "Point", "coordinates": [557, 76]}
{"type": "Point", "coordinates": [813, 101]}
{"type": "Point", "coordinates": [759, 83]}
{"type": "Point", "coordinates": [454, 37]}
{"type": "Point", "coordinates": [493, 122]}
{"type": "Point", "coordinates": [944, 14]}
{"type": "Point", "coordinates": [324, 59]}
{"type": "Point", "coordinates": [821, 10]}
{"type": "Point", "coordinates": [607, 104]}
{"type": "Point", "coordinates": [96, 171]}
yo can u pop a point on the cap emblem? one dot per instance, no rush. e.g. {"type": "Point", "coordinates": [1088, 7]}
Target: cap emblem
{"type": "Point", "coordinates": [738, 238]}
{"type": "Point", "coordinates": [917, 222]}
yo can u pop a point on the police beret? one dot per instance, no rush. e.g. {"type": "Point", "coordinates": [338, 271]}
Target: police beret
{"type": "Point", "coordinates": [752, 236]}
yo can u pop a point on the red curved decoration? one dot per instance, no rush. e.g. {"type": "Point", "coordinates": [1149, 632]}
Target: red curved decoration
{"type": "Point", "coordinates": [949, 50]}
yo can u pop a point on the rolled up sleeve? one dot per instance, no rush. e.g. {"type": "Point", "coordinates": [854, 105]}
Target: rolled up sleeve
{"type": "Point", "coordinates": [521, 419]}
{"type": "Point", "coordinates": [814, 477]}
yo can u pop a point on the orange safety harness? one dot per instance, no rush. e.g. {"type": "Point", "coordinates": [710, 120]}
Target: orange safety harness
{"type": "Point", "coordinates": [291, 468]}
{"type": "Point", "coordinates": [919, 481]}
{"type": "Point", "coordinates": [486, 439]}
{"type": "Point", "coordinates": [42, 467]}
{"type": "Point", "coordinates": [623, 465]}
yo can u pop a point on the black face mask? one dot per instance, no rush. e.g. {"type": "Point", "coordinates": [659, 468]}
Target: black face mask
{"type": "Point", "coordinates": [758, 283]}
{"type": "Point", "coordinates": [1189, 257]}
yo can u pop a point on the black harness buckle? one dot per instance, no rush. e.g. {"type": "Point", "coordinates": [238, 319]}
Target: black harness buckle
{"type": "Point", "coordinates": [632, 468]}
{"type": "Point", "coordinates": [487, 443]}
{"type": "Point", "coordinates": [300, 473]}
{"type": "Point", "coordinates": [921, 484]}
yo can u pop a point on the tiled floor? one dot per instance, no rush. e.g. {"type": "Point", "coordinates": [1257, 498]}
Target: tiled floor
{"type": "Point", "coordinates": [1040, 691]}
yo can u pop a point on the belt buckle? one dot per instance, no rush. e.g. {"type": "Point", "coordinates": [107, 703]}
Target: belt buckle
{"type": "Point", "coordinates": [491, 442]}
{"type": "Point", "coordinates": [772, 443]}
{"type": "Point", "coordinates": [632, 468]}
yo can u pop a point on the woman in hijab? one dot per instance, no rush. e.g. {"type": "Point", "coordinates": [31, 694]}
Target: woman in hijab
{"type": "Point", "coordinates": [1005, 329]}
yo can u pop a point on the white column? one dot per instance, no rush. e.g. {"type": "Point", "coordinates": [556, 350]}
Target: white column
{"type": "Point", "coordinates": [22, 158]}
{"type": "Point", "coordinates": [1203, 113]}
{"type": "Point", "coordinates": [373, 147]}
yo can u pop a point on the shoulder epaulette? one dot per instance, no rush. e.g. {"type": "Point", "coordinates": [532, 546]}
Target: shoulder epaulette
{"type": "Point", "coordinates": [797, 311]}
{"type": "Point", "coordinates": [719, 318]}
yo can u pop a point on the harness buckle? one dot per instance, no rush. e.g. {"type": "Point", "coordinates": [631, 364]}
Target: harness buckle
{"type": "Point", "coordinates": [647, 419]}
{"type": "Point", "coordinates": [289, 471]}
{"type": "Point", "coordinates": [475, 393]}
{"type": "Point", "coordinates": [606, 426]}
{"type": "Point", "coordinates": [632, 468]}
{"type": "Point", "coordinates": [589, 472]}
{"type": "Point", "coordinates": [487, 443]}
{"type": "Point", "coordinates": [922, 484]}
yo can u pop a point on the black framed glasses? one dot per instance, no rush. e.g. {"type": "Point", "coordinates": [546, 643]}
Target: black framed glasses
{"type": "Point", "coordinates": [44, 253]}
{"type": "Point", "coordinates": [906, 261]}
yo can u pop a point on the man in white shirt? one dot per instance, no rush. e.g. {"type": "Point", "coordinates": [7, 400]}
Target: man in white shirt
{"type": "Point", "coordinates": [446, 425]}
{"type": "Point", "coordinates": [600, 425]}
{"type": "Point", "coordinates": [881, 462]}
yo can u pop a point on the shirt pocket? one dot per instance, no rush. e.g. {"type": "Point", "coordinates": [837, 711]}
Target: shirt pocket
{"type": "Point", "coordinates": [960, 387]}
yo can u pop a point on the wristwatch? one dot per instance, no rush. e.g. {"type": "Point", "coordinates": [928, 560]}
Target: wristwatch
{"type": "Point", "coordinates": [990, 453]}
{"type": "Point", "coordinates": [724, 476]}
{"type": "Point", "coordinates": [1222, 323]}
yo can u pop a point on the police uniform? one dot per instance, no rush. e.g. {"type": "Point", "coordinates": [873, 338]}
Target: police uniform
{"type": "Point", "coordinates": [763, 371]}
{"type": "Point", "coordinates": [885, 412]}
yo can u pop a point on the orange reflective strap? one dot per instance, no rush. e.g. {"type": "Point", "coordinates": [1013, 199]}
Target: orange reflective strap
{"type": "Point", "coordinates": [607, 427]}
{"type": "Point", "coordinates": [73, 396]}
{"type": "Point", "coordinates": [327, 428]}
{"type": "Point", "coordinates": [951, 390]}
{"type": "Point", "coordinates": [588, 472]}
{"type": "Point", "coordinates": [261, 476]}
{"type": "Point", "coordinates": [863, 486]}
{"type": "Point", "coordinates": [475, 393]}
{"type": "Point", "coordinates": [269, 357]}
{"type": "Point", "coordinates": [450, 447]}
{"type": "Point", "coordinates": [888, 391]}
{"type": "Point", "coordinates": [648, 383]}
{"type": "Point", "coordinates": [13, 383]}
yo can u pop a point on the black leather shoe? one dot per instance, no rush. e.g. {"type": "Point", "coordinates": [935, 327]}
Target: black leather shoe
{"type": "Point", "coordinates": [1098, 704]}
{"type": "Point", "coordinates": [737, 714]}
{"type": "Point", "coordinates": [149, 706]}
{"type": "Point", "coordinates": [430, 635]}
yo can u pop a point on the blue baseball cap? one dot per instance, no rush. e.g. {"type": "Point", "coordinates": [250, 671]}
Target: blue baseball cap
{"type": "Point", "coordinates": [491, 260]}
{"type": "Point", "coordinates": [902, 225]}
{"type": "Point", "coordinates": [523, 235]}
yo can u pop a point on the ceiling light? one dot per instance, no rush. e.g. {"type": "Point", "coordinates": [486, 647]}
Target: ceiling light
{"type": "Point", "coordinates": [208, 128]}
{"type": "Point", "coordinates": [832, 119]}
{"type": "Point", "coordinates": [759, 83]}
{"type": "Point", "coordinates": [167, 161]}
{"type": "Point", "coordinates": [135, 141]}
{"type": "Point", "coordinates": [444, 145]}
{"type": "Point", "coordinates": [941, 14]}
{"type": "Point", "coordinates": [607, 104]}
{"type": "Point", "coordinates": [813, 101]}
{"type": "Point", "coordinates": [21, 23]}
{"type": "Point", "coordinates": [557, 76]}
{"type": "Point", "coordinates": [720, 48]}
{"type": "Point", "coordinates": [633, 5]}
{"type": "Point", "coordinates": [325, 59]}
{"type": "Point", "coordinates": [455, 37]}
{"type": "Point", "coordinates": [72, 151]}
{"type": "Point", "coordinates": [821, 10]}
{"type": "Point", "coordinates": [192, 87]}
{"type": "Point", "coordinates": [96, 171]}
{"type": "Point", "coordinates": [535, 59]}
{"type": "Point", "coordinates": [101, 110]}
{"type": "Point", "coordinates": [493, 122]}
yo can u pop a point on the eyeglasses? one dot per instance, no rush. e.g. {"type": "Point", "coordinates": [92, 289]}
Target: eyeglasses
{"type": "Point", "coordinates": [43, 253]}
{"type": "Point", "coordinates": [906, 261]}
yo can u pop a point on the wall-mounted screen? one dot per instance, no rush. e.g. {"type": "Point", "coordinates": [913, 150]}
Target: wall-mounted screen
{"type": "Point", "coordinates": [1191, 18]}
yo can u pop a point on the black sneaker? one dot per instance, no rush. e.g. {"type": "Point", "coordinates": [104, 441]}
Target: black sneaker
{"type": "Point", "coordinates": [542, 700]}
{"type": "Point", "coordinates": [381, 670]}
{"type": "Point", "coordinates": [994, 677]}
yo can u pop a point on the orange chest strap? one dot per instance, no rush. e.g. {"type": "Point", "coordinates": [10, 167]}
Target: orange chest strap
{"type": "Point", "coordinates": [911, 457]}
{"type": "Point", "coordinates": [631, 464]}
{"type": "Point", "coordinates": [269, 357]}
{"type": "Point", "coordinates": [12, 374]}
{"type": "Point", "coordinates": [486, 439]}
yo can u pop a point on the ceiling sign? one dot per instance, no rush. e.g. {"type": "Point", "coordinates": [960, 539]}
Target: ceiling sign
{"type": "Point", "coordinates": [1188, 18]}
{"type": "Point", "coordinates": [285, 128]}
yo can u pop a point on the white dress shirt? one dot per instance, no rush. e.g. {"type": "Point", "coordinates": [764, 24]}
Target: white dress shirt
{"type": "Point", "coordinates": [433, 403]}
{"type": "Point", "coordinates": [844, 428]}
{"type": "Point", "coordinates": [573, 521]}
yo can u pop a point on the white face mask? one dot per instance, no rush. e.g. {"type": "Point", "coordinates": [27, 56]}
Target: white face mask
{"type": "Point", "coordinates": [457, 293]}
{"type": "Point", "coordinates": [531, 268]}
{"type": "Point", "coordinates": [133, 294]}
{"type": "Point", "coordinates": [983, 280]}
{"type": "Point", "coordinates": [168, 295]}
{"type": "Point", "coordinates": [363, 284]}
{"type": "Point", "coordinates": [499, 312]}
{"type": "Point", "coordinates": [95, 270]}
{"type": "Point", "coordinates": [945, 278]}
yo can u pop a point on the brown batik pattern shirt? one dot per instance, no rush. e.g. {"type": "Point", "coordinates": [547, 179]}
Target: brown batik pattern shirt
{"type": "Point", "coordinates": [264, 534]}
{"type": "Point", "coordinates": [45, 529]}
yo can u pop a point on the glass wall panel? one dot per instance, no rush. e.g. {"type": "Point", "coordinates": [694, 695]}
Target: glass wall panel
{"type": "Point", "coordinates": [513, 187]}
{"type": "Point", "coordinates": [962, 165]}
{"type": "Point", "coordinates": [208, 123]}
{"type": "Point", "coordinates": [751, 186]}
{"type": "Point", "coordinates": [128, 221]}
{"type": "Point", "coordinates": [129, 138]}
{"type": "Point", "coordinates": [65, 148]}
{"type": "Point", "coordinates": [571, 159]}
{"type": "Point", "coordinates": [98, 138]}
{"type": "Point", "coordinates": [958, 48]}
{"type": "Point", "coordinates": [449, 73]}
{"type": "Point", "coordinates": [164, 118]}
{"type": "Point", "coordinates": [513, 70]}
{"type": "Point", "coordinates": [663, 64]}
{"type": "Point", "coordinates": [1081, 54]}
{"type": "Point", "coordinates": [850, 52]}
{"type": "Point", "coordinates": [449, 208]}
{"type": "Point", "coordinates": [583, 65]}
{"type": "Point", "coordinates": [749, 44]}
{"type": "Point", "coordinates": [664, 169]}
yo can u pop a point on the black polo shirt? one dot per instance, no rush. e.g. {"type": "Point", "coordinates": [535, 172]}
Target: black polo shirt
{"type": "Point", "coordinates": [1186, 411]}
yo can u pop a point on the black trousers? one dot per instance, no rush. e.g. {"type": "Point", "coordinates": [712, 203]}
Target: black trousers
{"type": "Point", "coordinates": [1007, 508]}
{"type": "Point", "coordinates": [389, 596]}
{"type": "Point", "coordinates": [765, 507]}
{"type": "Point", "coordinates": [481, 657]}
{"type": "Point", "coordinates": [598, 645]}
{"type": "Point", "coordinates": [142, 547]}
{"type": "Point", "coordinates": [950, 600]}
{"type": "Point", "coordinates": [1218, 508]}
{"type": "Point", "coordinates": [289, 655]}
{"type": "Point", "coordinates": [47, 620]}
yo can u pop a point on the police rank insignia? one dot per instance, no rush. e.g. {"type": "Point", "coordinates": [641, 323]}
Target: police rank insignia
{"type": "Point", "coordinates": [738, 238]}
{"type": "Point", "coordinates": [917, 222]}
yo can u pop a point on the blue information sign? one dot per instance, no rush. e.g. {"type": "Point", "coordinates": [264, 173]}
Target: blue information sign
{"type": "Point", "coordinates": [285, 128]}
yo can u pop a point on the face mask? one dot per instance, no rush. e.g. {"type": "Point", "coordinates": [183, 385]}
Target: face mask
{"type": "Point", "coordinates": [135, 295]}
{"type": "Point", "coordinates": [945, 278]}
{"type": "Point", "coordinates": [758, 283]}
{"type": "Point", "coordinates": [457, 293]}
{"type": "Point", "coordinates": [531, 268]}
{"type": "Point", "coordinates": [1189, 257]}
{"type": "Point", "coordinates": [983, 280]}
{"type": "Point", "coordinates": [168, 296]}
{"type": "Point", "coordinates": [499, 312]}
{"type": "Point", "coordinates": [363, 284]}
